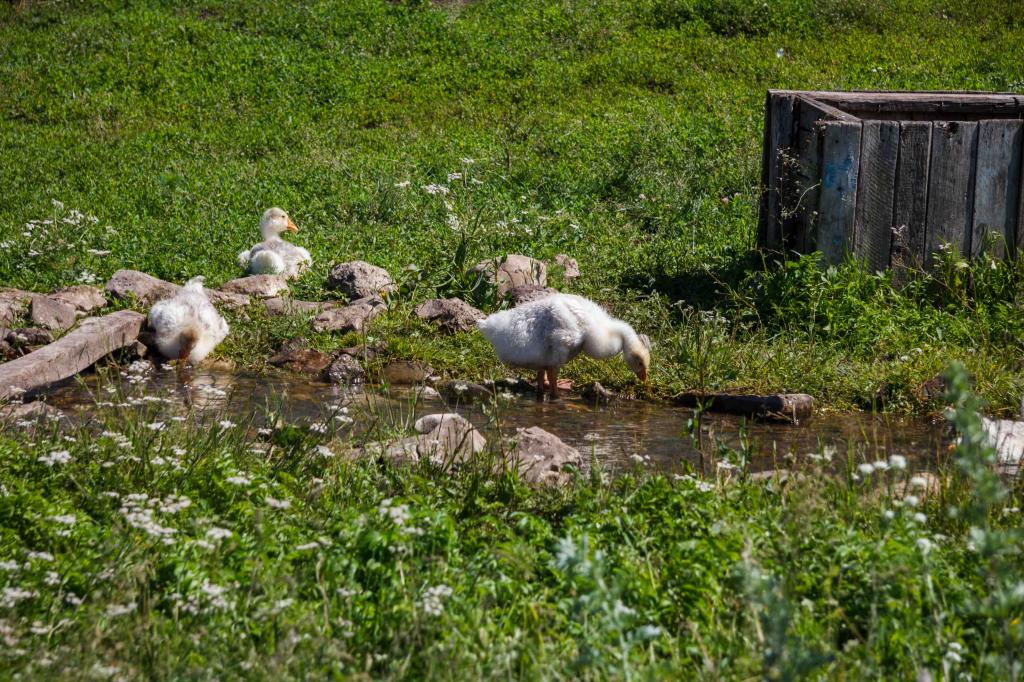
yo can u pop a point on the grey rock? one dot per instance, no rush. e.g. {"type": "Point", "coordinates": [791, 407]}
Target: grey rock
{"type": "Point", "coordinates": [352, 317]}
{"type": "Point", "coordinates": [450, 315]}
{"type": "Point", "coordinates": [228, 299]}
{"type": "Point", "coordinates": [257, 286]}
{"type": "Point", "coordinates": [290, 306]}
{"type": "Point", "coordinates": [346, 370]}
{"type": "Point", "coordinates": [465, 392]}
{"type": "Point", "coordinates": [51, 314]}
{"type": "Point", "coordinates": [444, 439]}
{"type": "Point", "coordinates": [13, 305]}
{"type": "Point", "coordinates": [528, 293]}
{"type": "Point", "coordinates": [514, 271]}
{"type": "Point", "coordinates": [406, 373]}
{"type": "Point", "coordinates": [359, 279]}
{"type": "Point", "coordinates": [31, 416]}
{"type": "Point", "coordinates": [543, 458]}
{"type": "Point", "coordinates": [146, 288]}
{"type": "Point", "coordinates": [512, 385]}
{"type": "Point", "coordinates": [302, 361]}
{"type": "Point", "coordinates": [570, 268]}
{"type": "Point", "coordinates": [82, 297]}
{"type": "Point", "coordinates": [27, 337]}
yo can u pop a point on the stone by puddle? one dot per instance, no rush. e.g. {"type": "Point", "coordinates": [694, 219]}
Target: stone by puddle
{"type": "Point", "coordinates": [148, 290]}
{"type": "Point", "coordinates": [82, 297]}
{"type": "Point", "coordinates": [51, 314]}
{"type": "Point", "coordinates": [349, 318]}
{"type": "Point", "coordinates": [346, 370]}
{"type": "Point", "coordinates": [31, 415]}
{"type": "Point", "coordinates": [597, 394]}
{"type": "Point", "coordinates": [511, 385]}
{"type": "Point", "coordinates": [465, 392]}
{"type": "Point", "coordinates": [444, 439]}
{"type": "Point", "coordinates": [528, 293]}
{"type": "Point", "coordinates": [289, 306]}
{"type": "Point", "coordinates": [450, 315]}
{"type": "Point", "coordinates": [543, 458]}
{"type": "Point", "coordinates": [406, 373]}
{"type": "Point", "coordinates": [306, 361]}
{"type": "Point", "coordinates": [513, 271]}
{"type": "Point", "coordinates": [257, 286]}
{"type": "Point", "coordinates": [359, 279]}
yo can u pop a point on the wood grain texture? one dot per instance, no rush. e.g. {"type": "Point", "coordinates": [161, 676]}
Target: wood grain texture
{"type": "Point", "coordinates": [951, 186]}
{"type": "Point", "coordinates": [879, 149]}
{"type": "Point", "coordinates": [94, 338]}
{"type": "Point", "coordinates": [838, 197]}
{"type": "Point", "coordinates": [779, 138]}
{"type": "Point", "coordinates": [996, 187]}
{"type": "Point", "coordinates": [802, 225]}
{"type": "Point", "coordinates": [910, 201]}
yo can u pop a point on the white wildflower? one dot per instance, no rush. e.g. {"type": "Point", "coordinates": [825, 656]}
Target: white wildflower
{"type": "Point", "coordinates": [898, 462]}
{"type": "Point", "coordinates": [55, 457]}
{"type": "Point", "coordinates": [433, 189]}
{"type": "Point", "coordinates": [324, 451]}
{"type": "Point", "coordinates": [118, 610]}
{"type": "Point", "coordinates": [866, 468]}
{"type": "Point", "coordinates": [432, 602]}
{"type": "Point", "coordinates": [217, 533]}
{"type": "Point", "coordinates": [920, 518]}
{"type": "Point", "coordinates": [278, 504]}
{"type": "Point", "coordinates": [156, 426]}
{"type": "Point", "coordinates": [238, 480]}
{"type": "Point", "coordinates": [918, 482]}
{"type": "Point", "coordinates": [911, 500]}
{"type": "Point", "coordinates": [226, 424]}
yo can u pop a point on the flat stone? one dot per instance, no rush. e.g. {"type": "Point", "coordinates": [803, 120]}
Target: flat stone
{"type": "Point", "coordinates": [359, 279]}
{"type": "Point", "coordinates": [302, 361]}
{"type": "Point", "coordinates": [94, 338]}
{"type": "Point", "coordinates": [257, 286]}
{"type": "Point", "coordinates": [51, 314]}
{"type": "Point", "coordinates": [82, 297]}
{"type": "Point", "coordinates": [513, 271]}
{"type": "Point", "coordinates": [146, 288]}
{"type": "Point", "coordinates": [406, 373]}
{"type": "Point", "coordinates": [543, 458]}
{"type": "Point", "coordinates": [365, 352]}
{"type": "Point", "coordinates": [450, 315]}
{"type": "Point", "coordinates": [229, 299]}
{"type": "Point", "coordinates": [512, 385]}
{"type": "Point", "coordinates": [346, 370]}
{"type": "Point", "coordinates": [444, 439]}
{"type": "Point", "coordinates": [528, 293]}
{"type": "Point", "coordinates": [349, 318]}
{"type": "Point", "coordinates": [570, 268]}
{"type": "Point", "coordinates": [597, 394]}
{"type": "Point", "coordinates": [290, 306]}
{"type": "Point", "coordinates": [13, 305]}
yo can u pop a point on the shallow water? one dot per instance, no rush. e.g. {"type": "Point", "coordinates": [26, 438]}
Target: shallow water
{"type": "Point", "coordinates": [619, 435]}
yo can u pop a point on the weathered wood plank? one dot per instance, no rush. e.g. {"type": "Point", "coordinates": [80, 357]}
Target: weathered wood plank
{"type": "Point", "coordinates": [779, 127]}
{"type": "Point", "coordinates": [995, 105]}
{"type": "Point", "coordinates": [951, 186]}
{"type": "Point", "coordinates": [910, 203]}
{"type": "Point", "coordinates": [879, 148]}
{"type": "Point", "coordinates": [996, 186]}
{"type": "Point", "coordinates": [837, 201]}
{"type": "Point", "coordinates": [94, 338]}
{"type": "Point", "coordinates": [779, 406]}
{"type": "Point", "coordinates": [807, 178]}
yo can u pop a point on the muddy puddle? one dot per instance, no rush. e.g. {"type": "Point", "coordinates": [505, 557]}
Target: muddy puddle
{"type": "Point", "coordinates": [622, 434]}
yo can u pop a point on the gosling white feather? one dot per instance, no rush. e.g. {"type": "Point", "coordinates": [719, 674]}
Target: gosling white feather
{"type": "Point", "coordinates": [273, 255]}
{"type": "Point", "coordinates": [187, 326]}
{"type": "Point", "coordinates": [545, 335]}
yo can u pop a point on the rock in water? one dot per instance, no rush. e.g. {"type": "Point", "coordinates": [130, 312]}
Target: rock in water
{"type": "Point", "coordinates": [346, 370]}
{"type": "Point", "coordinates": [359, 279]}
{"type": "Point", "coordinates": [406, 373]}
{"type": "Point", "coordinates": [302, 361]}
{"type": "Point", "coordinates": [450, 315]}
{"type": "Point", "coordinates": [543, 458]}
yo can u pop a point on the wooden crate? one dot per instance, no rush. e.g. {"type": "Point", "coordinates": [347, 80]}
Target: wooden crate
{"type": "Point", "coordinates": [891, 176]}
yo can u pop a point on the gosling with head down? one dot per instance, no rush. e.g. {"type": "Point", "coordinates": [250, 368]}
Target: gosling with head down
{"type": "Point", "coordinates": [187, 326]}
{"type": "Point", "coordinates": [545, 335]}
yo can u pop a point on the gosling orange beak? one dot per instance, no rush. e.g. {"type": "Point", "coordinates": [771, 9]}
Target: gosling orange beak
{"type": "Point", "coordinates": [643, 375]}
{"type": "Point", "coordinates": [291, 226]}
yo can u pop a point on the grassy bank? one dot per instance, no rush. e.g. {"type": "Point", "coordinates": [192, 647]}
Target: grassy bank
{"type": "Point", "coordinates": [146, 547]}
{"type": "Point", "coordinates": [626, 134]}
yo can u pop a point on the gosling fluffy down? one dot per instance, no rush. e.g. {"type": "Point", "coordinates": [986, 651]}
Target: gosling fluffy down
{"type": "Point", "coordinates": [273, 255]}
{"type": "Point", "coordinates": [187, 326]}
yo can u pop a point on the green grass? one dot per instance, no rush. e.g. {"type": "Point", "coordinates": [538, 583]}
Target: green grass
{"type": "Point", "coordinates": [198, 551]}
{"type": "Point", "coordinates": [612, 131]}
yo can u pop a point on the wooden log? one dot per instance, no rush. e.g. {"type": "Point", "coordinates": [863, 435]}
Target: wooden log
{"type": "Point", "coordinates": [879, 148]}
{"type": "Point", "coordinates": [996, 187]}
{"type": "Point", "coordinates": [778, 139]}
{"type": "Point", "coordinates": [838, 197]}
{"type": "Point", "coordinates": [951, 186]}
{"type": "Point", "coordinates": [910, 204]}
{"type": "Point", "coordinates": [94, 338]}
{"type": "Point", "coordinates": [790, 407]}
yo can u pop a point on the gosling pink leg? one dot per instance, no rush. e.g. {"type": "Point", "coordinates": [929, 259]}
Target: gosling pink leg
{"type": "Point", "coordinates": [540, 384]}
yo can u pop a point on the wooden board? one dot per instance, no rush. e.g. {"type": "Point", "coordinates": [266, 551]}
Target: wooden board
{"type": "Point", "coordinates": [837, 201]}
{"type": "Point", "coordinates": [803, 223]}
{"type": "Point", "coordinates": [938, 103]}
{"type": "Point", "coordinates": [879, 148]}
{"type": "Point", "coordinates": [951, 186]}
{"type": "Point", "coordinates": [996, 186]}
{"type": "Point", "coordinates": [94, 338]}
{"type": "Point", "coordinates": [778, 138]}
{"type": "Point", "coordinates": [910, 203]}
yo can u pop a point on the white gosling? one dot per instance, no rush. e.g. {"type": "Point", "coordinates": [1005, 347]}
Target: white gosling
{"type": "Point", "coordinates": [545, 335]}
{"type": "Point", "coordinates": [187, 326]}
{"type": "Point", "coordinates": [273, 255]}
